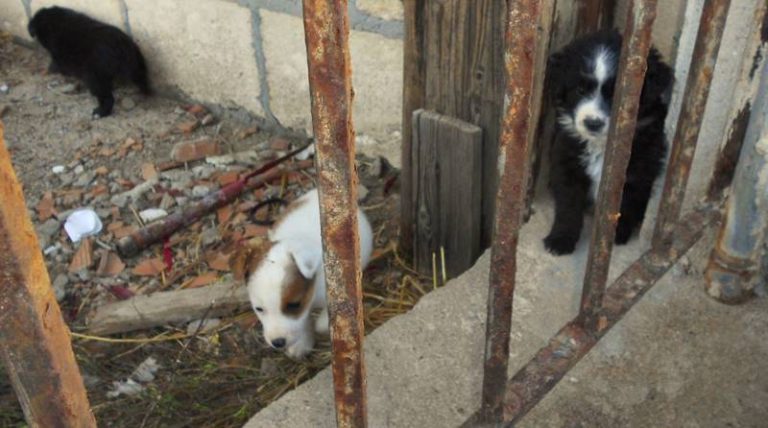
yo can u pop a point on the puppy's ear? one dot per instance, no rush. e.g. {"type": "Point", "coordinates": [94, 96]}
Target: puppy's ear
{"type": "Point", "coordinates": [307, 261]}
{"type": "Point", "coordinates": [658, 80]}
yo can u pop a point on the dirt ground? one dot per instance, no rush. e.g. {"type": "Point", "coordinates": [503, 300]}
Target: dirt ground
{"type": "Point", "coordinates": [217, 376]}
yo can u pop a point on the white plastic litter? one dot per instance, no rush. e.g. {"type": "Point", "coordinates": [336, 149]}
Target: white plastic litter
{"type": "Point", "coordinates": [82, 223]}
{"type": "Point", "coordinates": [59, 169]}
{"type": "Point", "coordinates": [144, 373]}
{"type": "Point", "coordinates": [151, 214]}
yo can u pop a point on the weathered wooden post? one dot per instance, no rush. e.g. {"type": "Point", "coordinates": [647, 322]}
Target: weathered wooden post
{"type": "Point", "coordinates": [34, 341]}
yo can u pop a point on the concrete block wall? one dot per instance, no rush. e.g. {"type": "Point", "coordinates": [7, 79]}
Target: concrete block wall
{"type": "Point", "coordinates": [250, 54]}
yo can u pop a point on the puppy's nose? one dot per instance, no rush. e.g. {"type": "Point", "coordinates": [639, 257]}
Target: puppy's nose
{"type": "Point", "coordinates": [594, 124]}
{"type": "Point", "coordinates": [278, 343]}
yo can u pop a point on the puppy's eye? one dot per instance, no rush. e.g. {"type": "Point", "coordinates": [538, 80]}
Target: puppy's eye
{"type": "Point", "coordinates": [293, 306]}
{"type": "Point", "coordinates": [258, 309]}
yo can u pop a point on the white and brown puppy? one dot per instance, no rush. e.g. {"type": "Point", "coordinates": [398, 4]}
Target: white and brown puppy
{"type": "Point", "coordinates": [285, 277]}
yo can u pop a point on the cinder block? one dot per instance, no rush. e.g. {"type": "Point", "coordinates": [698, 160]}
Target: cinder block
{"type": "Point", "coordinates": [204, 48]}
{"type": "Point", "coordinates": [377, 76]}
{"type": "Point", "coordinates": [13, 18]}
{"type": "Point", "coordinates": [104, 10]}
{"type": "Point", "coordinates": [384, 9]}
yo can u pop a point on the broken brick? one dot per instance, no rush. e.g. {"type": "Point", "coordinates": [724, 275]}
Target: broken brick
{"type": "Point", "coordinates": [189, 151]}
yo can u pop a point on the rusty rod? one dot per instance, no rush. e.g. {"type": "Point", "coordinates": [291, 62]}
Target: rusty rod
{"type": "Point", "coordinates": [534, 380]}
{"type": "Point", "coordinates": [733, 271]}
{"type": "Point", "coordinates": [632, 66]}
{"type": "Point", "coordinates": [711, 26]}
{"type": "Point", "coordinates": [519, 60]}
{"type": "Point", "coordinates": [326, 29]}
{"type": "Point", "coordinates": [34, 341]}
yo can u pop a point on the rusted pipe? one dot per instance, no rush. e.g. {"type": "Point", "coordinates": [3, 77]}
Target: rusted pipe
{"type": "Point", "coordinates": [632, 66]}
{"type": "Point", "coordinates": [534, 380]}
{"type": "Point", "coordinates": [735, 262]}
{"type": "Point", "coordinates": [34, 341]}
{"type": "Point", "coordinates": [519, 60]}
{"type": "Point", "coordinates": [326, 29]}
{"type": "Point", "coordinates": [711, 26]}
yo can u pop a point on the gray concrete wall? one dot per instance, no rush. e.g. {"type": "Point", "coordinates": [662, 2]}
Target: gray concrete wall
{"type": "Point", "coordinates": [250, 54]}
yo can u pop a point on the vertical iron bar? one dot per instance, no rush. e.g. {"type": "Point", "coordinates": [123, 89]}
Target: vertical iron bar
{"type": "Point", "coordinates": [711, 26]}
{"type": "Point", "coordinates": [519, 60]}
{"type": "Point", "coordinates": [34, 341]}
{"type": "Point", "coordinates": [734, 264]}
{"type": "Point", "coordinates": [326, 28]}
{"type": "Point", "coordinates": [632, 66]}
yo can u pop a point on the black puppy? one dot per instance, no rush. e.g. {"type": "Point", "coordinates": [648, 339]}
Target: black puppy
{"type": "Point", "coordinates": [582, 78]}
{"type": "Point", "coordinates": [92, 51]}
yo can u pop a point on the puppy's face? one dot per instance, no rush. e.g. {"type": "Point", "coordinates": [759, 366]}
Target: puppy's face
{"type": "Point", "coordinates": [281, 290]}
{"type": "Point", "coordinates": [40, 23]}
{"type": "Point", "coordinates": [584, 102]}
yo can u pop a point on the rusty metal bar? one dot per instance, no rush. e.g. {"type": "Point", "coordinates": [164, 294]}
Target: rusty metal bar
{"type": "Point", "coordinates": [711, 26]}
{"type": "Point", "coordinates": [34, 341]}
{"type": "Point", "coordinates": [733, 270]}
{"type": "Point", "coordinates": [326, 29]}
{"type": "Point", "coordinates": [534, 380]}
{"type": "Point", "coordinates": [629, 85]}
{"type": "Point", "coordinates": [519, 60]}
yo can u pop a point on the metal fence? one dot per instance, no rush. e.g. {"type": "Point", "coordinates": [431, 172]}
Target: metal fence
{"type": "Point", "coordinates": [35, 342]}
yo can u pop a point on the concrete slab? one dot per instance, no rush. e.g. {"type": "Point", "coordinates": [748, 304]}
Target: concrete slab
{"type": "Point", "coordinates": [424, 367]}
{"type": "Point", "coordinates": [377, 64]}
{"type": "Point", "coordinates": [384, 9]}
{"type": "Point", "coordinates": [206, 52]}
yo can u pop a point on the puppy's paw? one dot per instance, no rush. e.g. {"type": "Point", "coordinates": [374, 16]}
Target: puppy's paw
{"type": "Point", "coordinates": [623, 233]}
{"type": "Point", "coordinates": [99, 113]}
{"type": "Point", "coordinates": [301, 348]}
{"type": "Point", "coordinates": [560, 244]}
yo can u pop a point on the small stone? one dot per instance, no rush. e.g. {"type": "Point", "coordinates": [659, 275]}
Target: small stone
{"type": "Point", "coordinates": [60, 286]}
{"type": "Point", "coordinates": [220, 160]}
{"type": "Point", "coordinates": [167, 202]}
{"type": "Point", "coordinates": [181, 201]}
{"type": "Point", "coordinates": [208, 119]}
{"type": "Point", "coordinates": [203, 172]}
{"type": "Point", "coordinates": [58, 169]}
{"type": "Point", "coordinates": [79, 169]}
{"type": "Point", "coordinates": [209, 236]}
{"type": "Point", "coordinates": [4, 88]}
{"type": "Point", "coordinates": [151, 214]}
{"type": "Point", "coordinates": [49, 228]}
{"type": "Point", "coordinates": [189, 151]}
{"type": "Point", "coordinates": [200, 191]}
{"type": "Point", "coordinates": [85, 179]}
{"type": "Point", "coordinates": [127, 103]}
{"type": "Point", "coordinates": [69, 88]}
{"type": "Point", "coordinates": [188, 127]}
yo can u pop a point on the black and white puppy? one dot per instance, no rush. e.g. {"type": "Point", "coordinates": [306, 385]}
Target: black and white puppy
{"type": "Point", "coordinates": [92, 51]}
{"type": "Point", "coordinates": [582, 78]}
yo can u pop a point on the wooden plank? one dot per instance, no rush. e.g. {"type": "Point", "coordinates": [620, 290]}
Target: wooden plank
{"type": "Point", "coordinates": [142, 312]}
{"type": "Point", "coordinates": [448, 156]}
{"type": "Point", "coordinates": [464, 59]}
{"type": "Point", "coordinates": [34, 341]}
{"type": "Point", "coordinates": [414, 78]}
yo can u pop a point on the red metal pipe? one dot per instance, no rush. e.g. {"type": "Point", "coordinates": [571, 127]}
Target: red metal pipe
{"type": "Point", "coordinates": [519, 59]}
{"type": "Point", "coordinates": [711, 26]}
{"type": "Point", "coordinates": [326, 29]}
{"type": "Point", "coordinates": [34, 341]}
{"type": "Point", "coordinates": [632, 67]}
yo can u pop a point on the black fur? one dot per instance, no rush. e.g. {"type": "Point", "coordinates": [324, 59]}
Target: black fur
{"type": "Point", "coordinates": [92, 51]}
{"type": "Point", "coordinates": [569, 181]}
